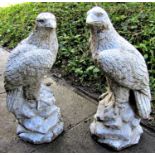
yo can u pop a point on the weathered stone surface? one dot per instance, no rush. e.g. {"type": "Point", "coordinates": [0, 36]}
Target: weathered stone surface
{"type": "Point", "coordinates": [68, 102]}
{"type": "Point", "coordinates": [79, 140]}
{"type": "Point", "coordinates": [117, 120]}
{"type": "Point", "coordinates": [74, 107]}
{"type": "Point", "coordinates": [33, 103]}
{"type": "Point", "coordinates": [76, 139]}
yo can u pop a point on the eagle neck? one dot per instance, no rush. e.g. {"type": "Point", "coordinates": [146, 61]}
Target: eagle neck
{"type": "Point", "coordinates": [44, 38]}
{"type": "Point", "coordinates": [103, 39]}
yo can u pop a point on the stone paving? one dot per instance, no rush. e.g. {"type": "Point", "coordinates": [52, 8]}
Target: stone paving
{"type": "Point", "coordinates": [77, 113]}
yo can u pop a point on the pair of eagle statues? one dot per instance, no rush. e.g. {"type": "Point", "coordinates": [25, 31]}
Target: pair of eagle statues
{"type": "Point", "coordinates": [123, 65]}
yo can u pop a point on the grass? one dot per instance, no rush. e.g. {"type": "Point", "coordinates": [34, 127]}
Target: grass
{"type": "Point", "coordinates": [134, 21]}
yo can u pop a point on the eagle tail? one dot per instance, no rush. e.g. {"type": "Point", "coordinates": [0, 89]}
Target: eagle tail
{"type": "Point", "coordinates": [12, 98]}
{"type": "Point", "coordinates": [143, 104]}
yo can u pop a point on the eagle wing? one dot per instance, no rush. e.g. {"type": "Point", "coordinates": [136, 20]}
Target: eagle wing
{"type": "Point", "coordinates": [130, 71]}
{"type": "Point", "coordinates": [25, 64]}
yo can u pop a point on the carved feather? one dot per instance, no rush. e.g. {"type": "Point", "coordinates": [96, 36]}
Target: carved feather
{"type": "Point", "coordinates": [143, 104]}
{"type": "Point", "coordinates": [125, 69]}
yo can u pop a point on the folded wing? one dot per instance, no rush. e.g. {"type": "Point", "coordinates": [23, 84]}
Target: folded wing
{"type": "Point", "coordinates": [129, 71]}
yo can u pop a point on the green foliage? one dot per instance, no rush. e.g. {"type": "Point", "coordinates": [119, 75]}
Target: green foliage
{"type": "Point", "coordinates": [134, 21]}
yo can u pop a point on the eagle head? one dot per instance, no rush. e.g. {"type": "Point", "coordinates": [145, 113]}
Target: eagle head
{"type": "Point", "coordinates": [46, 20]}
{"type": "Point", "coordinates": [98, 17]}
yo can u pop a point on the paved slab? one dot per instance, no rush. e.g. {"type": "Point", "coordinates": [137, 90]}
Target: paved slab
{"type": "Point", "coordinates": [78, 139]}
{"type": "Point", "coordinates": [73, 111]}
{"type": "Point", "coordinates": [77, 113]}
{"type": "Point", "coordinates": [3, 59]}
{"type": "Point", "coordinates": [9, 142]}
{"type": "Point", "coordinates": [74, 108]}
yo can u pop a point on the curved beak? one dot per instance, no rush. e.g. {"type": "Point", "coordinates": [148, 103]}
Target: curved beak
{"type": "Point", "coordinates": [93, 20]}
{"type": "Point", "coordinates": [51, 24]}
{"type": "Point", "coordinates": [89, 19]}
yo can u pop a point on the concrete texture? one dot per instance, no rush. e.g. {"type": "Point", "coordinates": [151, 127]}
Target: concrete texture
{"type": "Point", "coordinates": [115, 123]}
{"type": "Point", "coordinates": [3, 59]}
{"type": "Point", "coordinates": [74, 108]}
{"type": "Point", "coordinates": [77, 113]}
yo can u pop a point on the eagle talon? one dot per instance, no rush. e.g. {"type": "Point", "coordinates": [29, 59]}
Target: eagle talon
{"type": "Point", "coordinates": [101, 97]}
{"type": "Point", "coordinates": [126, 74]}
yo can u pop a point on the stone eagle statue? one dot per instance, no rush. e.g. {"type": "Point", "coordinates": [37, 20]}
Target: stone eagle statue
{"type": "Point", "coordinates": [28, 98]}
{"type": "Point", "coordinates": [128, 97]}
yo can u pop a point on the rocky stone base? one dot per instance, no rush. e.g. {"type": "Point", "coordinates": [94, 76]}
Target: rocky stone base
{"type": "Point", "coordinates": [39, 121]}
{"type": "Point", "coordinates": [116, 125]}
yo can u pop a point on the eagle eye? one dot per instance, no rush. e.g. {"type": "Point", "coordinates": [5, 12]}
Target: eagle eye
{"type": "Point", "coordinates": [99, 14]}
{"type": "Point", "coordinates": [40, 20]}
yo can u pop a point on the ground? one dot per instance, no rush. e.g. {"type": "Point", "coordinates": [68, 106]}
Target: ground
{"type": "Point", "coordinates": [89, 89]}
{"type": "Point", "coordinates": [77, 110]}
